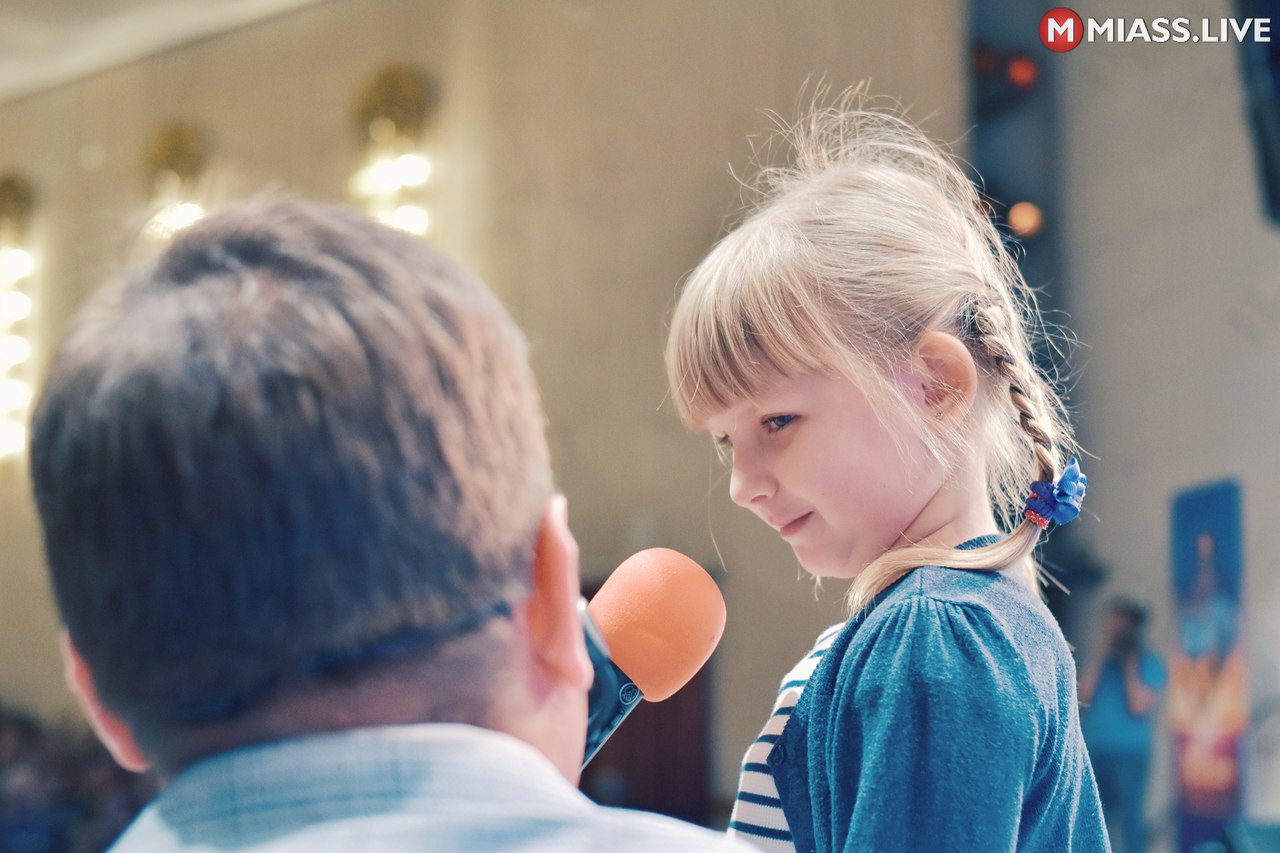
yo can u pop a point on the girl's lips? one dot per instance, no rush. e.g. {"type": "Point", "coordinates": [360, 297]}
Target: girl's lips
{"type": "Point", "coordinates": [793, 527]}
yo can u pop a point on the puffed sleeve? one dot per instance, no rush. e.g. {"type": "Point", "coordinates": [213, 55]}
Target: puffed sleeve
{"type": "Point", "coordinates": [934, 733]}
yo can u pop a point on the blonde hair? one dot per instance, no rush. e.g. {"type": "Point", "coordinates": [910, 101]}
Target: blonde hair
{"type": "Point", "coordinates": [871, 236]}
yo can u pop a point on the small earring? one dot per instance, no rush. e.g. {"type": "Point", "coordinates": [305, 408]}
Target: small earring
{"type": "Point", "coordinates": [937, 416]}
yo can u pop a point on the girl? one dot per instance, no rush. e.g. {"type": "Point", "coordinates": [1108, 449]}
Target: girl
{"type": "Point", "coordinates": [860, 345]}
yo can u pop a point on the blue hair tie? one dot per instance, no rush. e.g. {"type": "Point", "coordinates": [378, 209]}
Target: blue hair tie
{"type": "Point", "coordinates": [1059, 503]}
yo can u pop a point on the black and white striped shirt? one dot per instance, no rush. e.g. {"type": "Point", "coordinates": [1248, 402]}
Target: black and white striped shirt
{"type": "Point", "coordinates": [757, 811]}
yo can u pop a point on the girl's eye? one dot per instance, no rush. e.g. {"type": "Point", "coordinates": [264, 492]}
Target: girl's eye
{"type": "Point", "coordinates": [774, 423]}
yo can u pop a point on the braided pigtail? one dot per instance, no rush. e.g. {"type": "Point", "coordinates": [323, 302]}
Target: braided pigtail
{"type": "Point", "coordinates": [1030, 438]}
{"type": "Point", "coordinates": [1002, 343]}
{"type": "Point", "coordinates": [1041, 426]}
{"type": "Point", "coordinates": [1022, 426]}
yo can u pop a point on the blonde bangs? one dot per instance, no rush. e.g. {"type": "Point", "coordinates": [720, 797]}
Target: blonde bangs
{"type": "Point", "coordinates": [746, 317]}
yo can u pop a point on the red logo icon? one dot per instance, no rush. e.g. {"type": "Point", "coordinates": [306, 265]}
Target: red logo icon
{"type": "Point", "coordinates": [1061, 29]}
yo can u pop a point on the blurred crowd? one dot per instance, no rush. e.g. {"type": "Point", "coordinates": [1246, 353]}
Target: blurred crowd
{"type": "Point", "coordinates": [60, 791]}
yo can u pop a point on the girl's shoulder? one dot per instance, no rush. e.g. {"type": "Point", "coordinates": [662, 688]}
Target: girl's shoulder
{"type": "Point", "coordinates": [1002, 596]}
{"type": "Point", "coordinates": [931, 595]}
{"type": "Point", "coordinates": [934, 611]}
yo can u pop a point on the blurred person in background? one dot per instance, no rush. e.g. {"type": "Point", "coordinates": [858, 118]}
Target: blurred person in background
{"type": "Point", "coordinates": [1120, 691]}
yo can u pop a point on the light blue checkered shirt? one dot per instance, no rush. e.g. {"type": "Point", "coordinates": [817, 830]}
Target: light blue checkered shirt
{"type": "Point", "coordinates": [395, 789]}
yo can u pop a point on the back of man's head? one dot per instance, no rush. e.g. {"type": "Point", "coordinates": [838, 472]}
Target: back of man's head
{"type": "Point", "coordinates": [296, 443]}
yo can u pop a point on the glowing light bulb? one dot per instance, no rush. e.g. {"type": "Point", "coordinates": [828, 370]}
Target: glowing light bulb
{"type": "Point", "coordinates": [412, 170]}
{"type": "Point", "coordinates": [381, 177]}
{"type": "Point", "coordinates": [387, 175]}
{"type": "Point", "coordinates": [1022, 71]}
{"type": "Point", "coordinates": [411, 218]}
{"type": "Point", "coordinates": [184, 215]}
{"type": "Point", "coordinates": [14, 306]}
{"type": "Point", "coordinates": [172, 218]}
{"type": "Point", "coordinates": [16, 264]}
{"type": "Point", "coordinates": [1025, 219]}
{"type": "Point", "coordinates": [14, 350]}
{"type": "Point", "coordinates": [15, 395]}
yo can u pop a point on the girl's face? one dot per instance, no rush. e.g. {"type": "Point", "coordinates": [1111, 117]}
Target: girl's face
{"type": "Point", "coordinates": [814, 462]}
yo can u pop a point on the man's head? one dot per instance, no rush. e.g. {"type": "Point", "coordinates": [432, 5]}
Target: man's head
{"type": "Point", "coordinates": [297, 448]}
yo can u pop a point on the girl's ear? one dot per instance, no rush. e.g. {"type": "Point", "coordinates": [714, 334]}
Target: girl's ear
{"type": "Point", "coordinates": [948, 378]}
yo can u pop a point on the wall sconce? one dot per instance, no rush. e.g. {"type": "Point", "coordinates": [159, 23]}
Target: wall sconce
{"type": "Point", "coordinates": [175, 164]}
{"type": "Point", "coordinates": [17, 267]}
{"type": "Point", "coordinates": [390, 182]}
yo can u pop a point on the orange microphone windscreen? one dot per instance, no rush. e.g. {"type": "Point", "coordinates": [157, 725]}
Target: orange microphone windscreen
{"type": "Point", "coordinates": [661, 615]}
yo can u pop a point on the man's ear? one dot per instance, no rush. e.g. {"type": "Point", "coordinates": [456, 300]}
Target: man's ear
{"type": "Point", "coordinates": [114, 733]}
{"type": "Point", "coordinates": [552, 606]}
{"type": "Point", "coordinates": [948, 378]}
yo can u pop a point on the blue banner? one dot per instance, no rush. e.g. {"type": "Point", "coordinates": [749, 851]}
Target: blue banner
{"type": "Point", "coordinates": [1208, 685]}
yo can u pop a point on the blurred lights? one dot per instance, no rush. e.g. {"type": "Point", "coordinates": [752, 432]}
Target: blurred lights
{"type": "Point", "coordinates": [390, 183]}
{"type": "Point", "coordinates": [14, 349]}
{"type": "Point", "coordinates": [175, 164]}
{"type": "Point", "coordinates": [1002, 80]}
{"type": "Point", "coordinates": [172, 218]}
{"type": "Point", "coordinates": [14, 394]}
{"type": "Point", "coordinates": [387, 175]}
{"type": "Point", "coordinates": [14, 306]}
{"type": "Point", "coordinates": [18, 265]}
{"type": "Point", "coordinates": [1022, 71]}
{"type": "Point", "coordinates": [15, 264]}
{"type": "Point", "coordinates": [1025, 219]}
{"type": "Point", "coordinates": [412, 169]}
{"type": "Point", "coordinates": [411, 218]}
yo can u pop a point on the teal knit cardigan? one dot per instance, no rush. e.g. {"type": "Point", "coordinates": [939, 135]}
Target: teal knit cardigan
{"type": "Point", "coordinates": [943, 718]}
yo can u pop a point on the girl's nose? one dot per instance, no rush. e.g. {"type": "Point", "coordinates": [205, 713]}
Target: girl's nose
{"type": "Point", "coordinates": [748, 483]}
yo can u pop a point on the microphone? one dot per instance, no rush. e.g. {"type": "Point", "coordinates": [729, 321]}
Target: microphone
{"type": "Point", "coordinates": [649, 629]}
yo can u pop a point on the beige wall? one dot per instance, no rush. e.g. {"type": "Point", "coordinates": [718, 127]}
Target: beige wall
{"type": "Point", "coordinates": [1175, 281]}
{"type": "Point", "coordinates": [582, 153]}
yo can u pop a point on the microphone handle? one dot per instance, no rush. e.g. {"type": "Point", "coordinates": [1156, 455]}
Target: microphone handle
{"type": "Point", "coordinates": [612, 696]}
